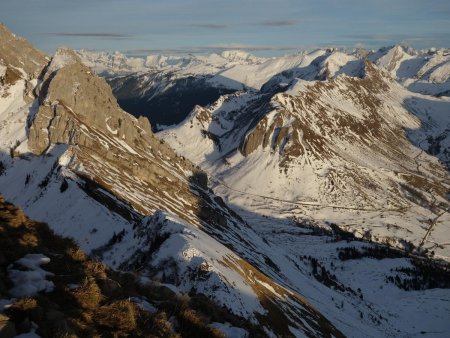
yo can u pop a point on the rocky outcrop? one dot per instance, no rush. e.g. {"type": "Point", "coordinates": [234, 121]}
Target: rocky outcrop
{"type": "Point", "coordinates": [19, 56]}
{"type": "Point", "coordinates": [338, 137]}
{"type": "Point", "coordinates": [77, 108]}
{"type": "Point", "coordinates": [71, 95]}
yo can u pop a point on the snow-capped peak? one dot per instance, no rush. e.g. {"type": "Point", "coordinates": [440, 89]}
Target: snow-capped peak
{"type": "Point", "coordinates": [62, 58]}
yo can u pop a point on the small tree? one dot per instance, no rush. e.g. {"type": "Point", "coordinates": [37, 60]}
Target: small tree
{"type": "Point", "coordinates": [2, 168]}
{"type": "Point", "coordinates": [64, 186]}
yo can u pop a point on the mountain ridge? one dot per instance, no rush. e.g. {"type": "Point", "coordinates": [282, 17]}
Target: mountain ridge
{"type": "Point", "coordinates": [164, 93]}
{"type": "Point", "coordinates": [98, 163]}
{"type": "Point", "coordinates": [70, 156]}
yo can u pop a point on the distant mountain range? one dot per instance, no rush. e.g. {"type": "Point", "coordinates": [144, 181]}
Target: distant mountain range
{"type": "Point", "coordinates": [166, 88]}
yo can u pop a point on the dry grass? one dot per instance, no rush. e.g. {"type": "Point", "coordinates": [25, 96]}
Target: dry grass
{"type": "Point", "coordinates": [29, 239]}
{"type": "Point", "coordinates": [25, 304]}
{"type": "Point", "coordinates": [195, 326]}
{"type": "Point", "coordinates": [160, 326]}
{"type": "Point", "coordinates": [96, 269]}
{"type": "Point", "coordinates": [88, 295]}
{"type": "Point", "coordinates": [119, 315]}
{"type": "Point", "coordinates": [77, 254]}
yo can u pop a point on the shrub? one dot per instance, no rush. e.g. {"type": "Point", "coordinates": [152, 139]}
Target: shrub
{"type": "Point", "coordinates": [64, 186]}
{"type": "Point", "coordinates": [2, 168]}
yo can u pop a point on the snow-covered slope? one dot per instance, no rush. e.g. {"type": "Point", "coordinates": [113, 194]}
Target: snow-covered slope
{"type": "Point", "coordinates": [354, 149]}
{"type": "Point", "coordinates": [71, 157]}
{"type": "Point", "coordinates": [166, 88]}
{"type": "Point", "coordinates": [425, 72]}
{"type": "Point", "coordinates": [335, 150]}
{"type": "Point", "coordinates": [118, 64]}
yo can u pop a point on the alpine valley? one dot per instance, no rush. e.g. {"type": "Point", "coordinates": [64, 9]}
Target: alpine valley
{"type": "Point", "coordinates": [227, 195]}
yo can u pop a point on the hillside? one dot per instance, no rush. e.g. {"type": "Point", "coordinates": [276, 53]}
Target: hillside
{"type": "Point", "coordinates": [361, 152]}
{"type": "Point", "coordinates": [310, 201]}
{"type": "Point", "coordinates": [60, 292]}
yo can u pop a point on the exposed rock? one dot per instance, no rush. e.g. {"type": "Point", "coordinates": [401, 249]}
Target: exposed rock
{"type": "Point", "coordinates": [20, 57]}
{"type": "Point", "coordinates": [255, 138]}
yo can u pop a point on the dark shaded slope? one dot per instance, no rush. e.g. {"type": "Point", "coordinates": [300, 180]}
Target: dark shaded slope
{"type": "Point", "coordinates": [164, 100]}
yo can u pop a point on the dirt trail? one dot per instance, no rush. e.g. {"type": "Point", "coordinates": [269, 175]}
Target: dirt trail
{"type": "Point", "coordinates": [311, 204]}
{"type": "Point", "coordinates": [430, 228]}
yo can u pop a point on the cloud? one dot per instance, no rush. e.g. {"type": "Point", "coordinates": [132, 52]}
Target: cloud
{"type": "Point", "coordinates": [377, 37]}
{"type": "Point", "coordinates": [215, 48]}
{"type": "Point", "coordinates": [210, 25]}
{"type": "Point", "coordinates": [91, 35]}
{"type": "Point", "coordinates": [397, 37]}
{"type": "Point", "coordinates": [375, 41]}
{"type": "Point", "coordinates": [277, 23]}
{"type": "Point", "coordinates": [266, 23]}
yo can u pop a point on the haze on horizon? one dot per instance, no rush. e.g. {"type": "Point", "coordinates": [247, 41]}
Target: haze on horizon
{"type": "Point", "coordinates": [263, 27]}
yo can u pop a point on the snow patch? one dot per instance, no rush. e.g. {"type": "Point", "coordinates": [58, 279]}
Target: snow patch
{"type": "Point", "coordinates": [61, 59]}
{"type": "Point", "coordinates": [32, 280]}
{"type": "Point", "coordinates": [2, 70]}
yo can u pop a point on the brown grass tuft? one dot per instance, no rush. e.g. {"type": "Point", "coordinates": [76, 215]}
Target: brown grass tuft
{"type": "Point", "coordinates": [29, 239]}
{"type": "Point", "coordinates": [192, 325]}
{"type": "Point", "coordinates": [120, 315]}
{"type": "Point", "coordinates": [77, 254]}
{"type": "Point", "coordinates": [160, 326]}
{"type": "Point", "coordinates": [95, 269]}
{"type": "Point", "coordinates": [88, 295]}
{"type": "Point", "coordinates": [25, 305]}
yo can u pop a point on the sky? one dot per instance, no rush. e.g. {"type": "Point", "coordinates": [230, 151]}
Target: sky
{"type": "Point", "coordinates": [263, 27]}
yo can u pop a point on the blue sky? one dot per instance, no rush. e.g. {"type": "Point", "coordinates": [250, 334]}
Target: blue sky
{"type": "Point", "coordinates": [263, 27]}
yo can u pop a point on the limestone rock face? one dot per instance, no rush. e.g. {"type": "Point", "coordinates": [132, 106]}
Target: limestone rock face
{"type": "Point", "coordinates": [108, 146]}
{"type": "Point", "coordinates": [71, 95]}
{"type": "Point", "coordinates": [19, 56]}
